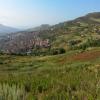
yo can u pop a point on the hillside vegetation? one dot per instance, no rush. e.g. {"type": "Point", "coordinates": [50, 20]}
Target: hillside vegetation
{"type": "Point", "coordinates": [66, 66]}
{"type": "Point", "coordinates": [74, 75]}
{"type": "Point", "coordinates": [66, 35]}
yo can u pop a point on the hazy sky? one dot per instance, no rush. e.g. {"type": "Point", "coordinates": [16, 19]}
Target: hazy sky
{"type": "Point", "coordinates": [28, 13]}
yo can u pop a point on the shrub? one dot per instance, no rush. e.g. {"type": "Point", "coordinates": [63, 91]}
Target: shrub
{"type": "Point", "coordinates": [57, 51]}
{"type": "Point", "coordinates": [62, 50]}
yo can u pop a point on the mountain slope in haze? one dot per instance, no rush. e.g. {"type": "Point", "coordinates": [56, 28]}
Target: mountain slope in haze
{"type": "Point", "coordinates": [40, 28]}
{"type": "Point", "coordinates": [6, 29]}
{"type": "Point", "coordinates": [77, 32]}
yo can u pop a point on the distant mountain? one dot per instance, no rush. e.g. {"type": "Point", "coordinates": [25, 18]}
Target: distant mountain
{"type": "Point", "coordinates": [40, 28]}
{"type": "Point", "coordinates": [79, 30]}
{"type": "Point", "coordinates": [6, 29]}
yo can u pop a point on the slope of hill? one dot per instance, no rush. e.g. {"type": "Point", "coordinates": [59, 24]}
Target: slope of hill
{"type": "Point", "coordinates": [72, 34]}
{"type": "Point", "coordinates": [6, 29]}
{"type": "Point", "coordinates": [73, 75]}
{"type": "Point", "coordinates": [40, 28]}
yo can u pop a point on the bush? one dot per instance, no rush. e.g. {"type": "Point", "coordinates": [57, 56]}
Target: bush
{"type": "Point", "coordinates": [57, 51]}
{"type": "Point", "coordinates": [74, 42]}
{"type": "Point", "coordinates": [62, 50]}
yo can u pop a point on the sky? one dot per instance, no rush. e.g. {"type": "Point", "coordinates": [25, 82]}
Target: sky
{"type": "Point", "coordinates": [31, 13]}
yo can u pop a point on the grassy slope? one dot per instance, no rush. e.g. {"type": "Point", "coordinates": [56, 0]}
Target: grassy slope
{"type": "Point", "coordinates": [72, 75]}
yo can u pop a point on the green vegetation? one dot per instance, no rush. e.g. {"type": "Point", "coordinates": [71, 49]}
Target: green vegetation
{"type": "Point", "coordinates": [72, 75]}
{"type": "Point", "coordinates": [85, 45]}
{"type": "Point", "coordinates": [67, 69]}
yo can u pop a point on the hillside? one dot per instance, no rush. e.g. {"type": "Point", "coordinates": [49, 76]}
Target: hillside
{"type": "Point", "coordinates": [59, 63]}
{"type": "Point", "coordinates": [6, 29]}
{"type": "Point", "coordinates": [39, 28]}
{"type": "Point", "coordinates": [79, 31]}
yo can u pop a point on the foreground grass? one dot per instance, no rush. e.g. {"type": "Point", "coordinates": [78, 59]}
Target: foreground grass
{"type": "Point", "coordinates": [71, 76]}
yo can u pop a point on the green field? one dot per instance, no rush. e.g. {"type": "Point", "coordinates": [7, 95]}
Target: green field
{"type": "Point", "coordinates": [71, 76]}
{"type": "Point", "coordinates": [68, 68]}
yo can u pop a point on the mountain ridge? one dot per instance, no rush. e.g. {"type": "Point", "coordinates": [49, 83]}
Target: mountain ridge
{"type": "Point", "coordinates": [7, 29]}
{"type": "Point", "coordinates": [57, 35]}
{"type": "Point", "coordinates": [39, 28]}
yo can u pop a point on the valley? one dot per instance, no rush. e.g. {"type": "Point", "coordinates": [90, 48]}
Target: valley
{"type": "Point", "coordinates": [59, 62]}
